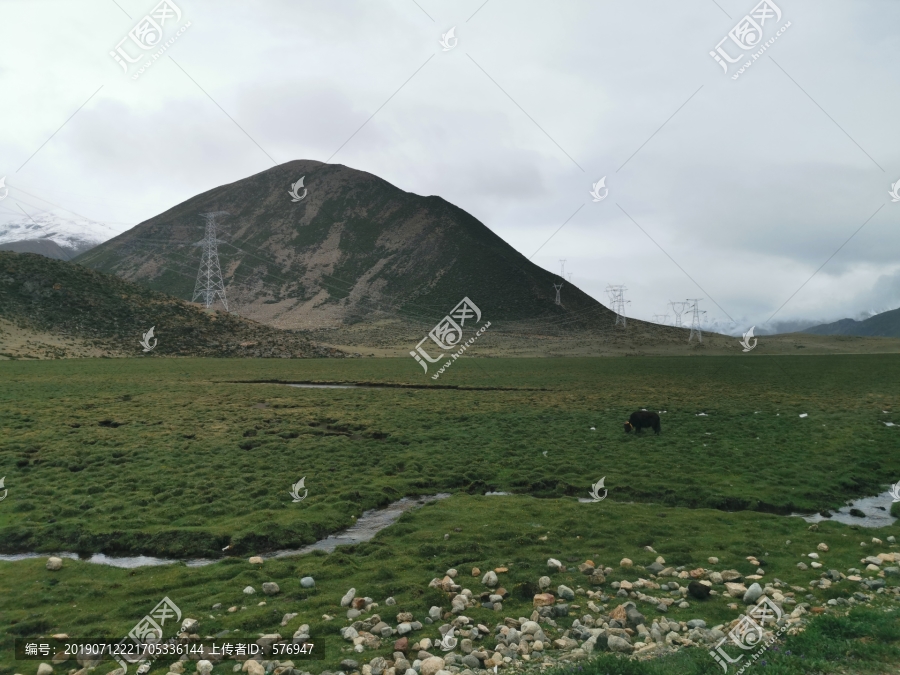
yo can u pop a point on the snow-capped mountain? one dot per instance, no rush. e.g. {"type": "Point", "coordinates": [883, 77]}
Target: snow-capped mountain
{"type": "Point", "coordinates": [76, 235]}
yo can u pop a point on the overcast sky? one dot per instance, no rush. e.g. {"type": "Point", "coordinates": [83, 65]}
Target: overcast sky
{"type": "Point", "coordinates": [731, 190]}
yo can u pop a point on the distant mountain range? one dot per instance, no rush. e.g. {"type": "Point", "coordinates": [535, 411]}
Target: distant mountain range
{"type": "Point", "coordinates": [886, 324]}
{"type": "Point", "coordinates": [353, 249]}
{"type": "Point", "coordinates": [53, 236]}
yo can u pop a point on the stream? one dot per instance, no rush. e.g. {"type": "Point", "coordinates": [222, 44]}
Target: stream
{"type": "Point", "coordinates": [367, 526]}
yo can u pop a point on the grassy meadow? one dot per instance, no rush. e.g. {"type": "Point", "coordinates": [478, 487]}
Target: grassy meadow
{"type": "Point", "coordinates": [181, 457]}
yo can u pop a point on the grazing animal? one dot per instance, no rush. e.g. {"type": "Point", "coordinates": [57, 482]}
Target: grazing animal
{"type": "Point", "coordinates": [698, 590]}
{"type": "Point", "coordinates": [642, 419]}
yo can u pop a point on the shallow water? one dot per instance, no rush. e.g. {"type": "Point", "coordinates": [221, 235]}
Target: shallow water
{"type": "Point", "coordinates": [367, 526]}
{"type": "Point", "coordinates": [328, 386]}
{"type": "Point", "coordinates": [875, 517]}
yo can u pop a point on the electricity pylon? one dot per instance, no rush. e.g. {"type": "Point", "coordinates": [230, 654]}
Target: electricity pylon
{"type": "Point", "coordinates": [210, 284]}
{"type": "Point", "coordinates": [558, 288]}
{"type": "Point", "coordinates": [678, 308]}
{"type": "Point", "coordinates": [694, 304]}
{"type": "Point", "coordinates": [617, 302]}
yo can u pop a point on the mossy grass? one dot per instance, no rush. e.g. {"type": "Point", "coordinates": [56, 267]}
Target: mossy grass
{"type": "Point", "coordinates": [179, 457]}
{"type": "Point", "coordinates": [516, 532]}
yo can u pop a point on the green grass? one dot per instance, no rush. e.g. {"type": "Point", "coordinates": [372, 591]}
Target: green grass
{"type": "Point", "coordinates": [86, 600]}
{"type": "Point", "coordinates": [171, 456]}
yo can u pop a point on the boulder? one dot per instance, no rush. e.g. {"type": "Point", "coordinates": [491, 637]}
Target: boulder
{"type": "Point", "coordinates": [45, 668]}
{"type": "Point", "coordinates": [544, 583]}
{"type": "Point", "coordinates": [256, 560]}
{"type": "Point", "coordinates": [626, 563]}
{"type": "Point", "coordinates": [554, 564]}
{"type": "Point", "coordinates": [253, 667]}
{"type": "Point", "coordinates": [53, 564]}
{"type": "Point", "coordinates": [249, 590]}
{"type": "Point", "coordinates": [735, 590]}
{"type": "Point", "coordinates": [204, 667]}
{"type": "Point", "coordinates": [565, 593]}
{"type": "Point", "coordinates": [544, 600]}
{"type": "Point", "coordinates": [308, 582]}
{"type": "Point", "coordinates": [618, 644]}
{"type": "Point", "coordinates": [270, 588]}
{"type": "Point", "coordinates": [401, 645]}
{"type": "Point", "coordinates": [490, 579]}
{"type": "Point", "coordinates": [348, 597]}
{"type": "Point", "coordinates": [431, 665]}
{"type": "Point", "coordinates": [753, 594]}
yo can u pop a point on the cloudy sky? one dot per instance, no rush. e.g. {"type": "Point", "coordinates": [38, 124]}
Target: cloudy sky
{"type": "Point", "coordinates": [734, 190]}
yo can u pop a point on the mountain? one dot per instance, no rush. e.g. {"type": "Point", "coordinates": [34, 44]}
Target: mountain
{"type": "Point", "coordinates": [55, 308]}
{"type": "Point", "coordinates": [886, 324]}
{"type": "Point", "coordinates": [72, 235]}
{"type": "Point", "coordinates": [355, 249]}
{"type": "Point", "coordinates": [44, 247]}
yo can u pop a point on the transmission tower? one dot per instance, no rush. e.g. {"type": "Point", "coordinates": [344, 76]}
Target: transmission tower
{"type": "Point", "coordinates": [570, 277]}
{"type": "Point", "coordinates": [558, 288]}
{"type": "Point", "coordinates": [210, 284]}
{"type": "Point", "coordinates": [678, 309]}
{"type": "Point", "coordinates": [617, 302]}
{"type": "Point", "coordinates": [661, 318]}
{"type": "Point", "coordinates": [694, 305]}
{"type": "Point", "coordinates": [562, 268]}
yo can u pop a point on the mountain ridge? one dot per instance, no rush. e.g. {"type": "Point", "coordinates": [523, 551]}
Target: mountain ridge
{"type": "Point", "coordinates": [356, 248]}
{"type": "Point", "coordinates": [885, 324]}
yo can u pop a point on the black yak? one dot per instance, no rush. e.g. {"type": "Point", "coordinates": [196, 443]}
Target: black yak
{"type": "Point", "coordinates": [641, 419]}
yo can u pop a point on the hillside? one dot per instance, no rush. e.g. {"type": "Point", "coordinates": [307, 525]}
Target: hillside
{"type": "Point", "coordinates": [355, 249]}
{"type": "Point", "coordinates": [886, 324]}
{"type": "Point", "coordinates": [44, 247]}
{"type": "Point", "coordinates": [51, 308]}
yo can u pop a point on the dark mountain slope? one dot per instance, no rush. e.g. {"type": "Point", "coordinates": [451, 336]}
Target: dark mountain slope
{"type": "Point", "coordinates": [62, 299]}
{"type": "Point", "coordinates": [355, 249]}
{"type": "Point", "coordinates": [886, 324]}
